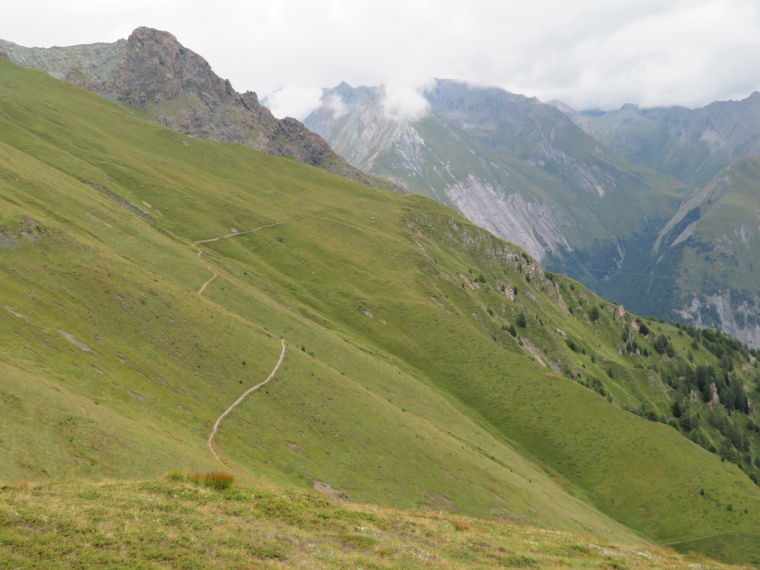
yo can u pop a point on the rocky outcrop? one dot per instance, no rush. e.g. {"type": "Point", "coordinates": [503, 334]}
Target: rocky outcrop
{"type": "Point", "coordinates": [175, 87]}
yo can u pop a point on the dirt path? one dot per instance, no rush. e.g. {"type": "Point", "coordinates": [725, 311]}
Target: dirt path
{"type": "Point", "coordinates": [711, 536]}
{"type": "Point", "coordinates": [226, 412]}
{"type": "Point", "coordinates": [213, 276]}
{"type": "Point", "coordinates": [301, 217]}
{"type": "Point", "coordinates": [198, 243]}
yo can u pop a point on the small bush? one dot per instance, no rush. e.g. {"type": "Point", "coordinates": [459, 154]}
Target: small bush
{"type": "Point", "coordinates": [460, 525]}
{"type": "Point", "coordinates": [175, 475]}
{"type": "Point", "coordinates": [218, 480]}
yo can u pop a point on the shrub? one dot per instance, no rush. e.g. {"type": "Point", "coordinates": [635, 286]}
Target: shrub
{"type": "Point", "coordinates": [218, 480]}
{"type": "Point", "coordinates": [460, 525]}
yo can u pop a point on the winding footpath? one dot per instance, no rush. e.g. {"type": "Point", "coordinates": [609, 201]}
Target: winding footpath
{"type": "Point", "coordinates": [214, 275]}
{"type": "Point", "coordinates": [226, 412]}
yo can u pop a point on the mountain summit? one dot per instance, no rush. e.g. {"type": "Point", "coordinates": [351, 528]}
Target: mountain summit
{"type": "Point", "coordinates": [167, 83]}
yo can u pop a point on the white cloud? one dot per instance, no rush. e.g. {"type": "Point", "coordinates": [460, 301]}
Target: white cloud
{"type": "Point", "coordinates": [404, 101]}
{"type": "Point", "coordinates": [335, 106]}
{"type": "Point", "coordinates": [293, 101]}
{"type": "Point", "coordinates": [586, 52]}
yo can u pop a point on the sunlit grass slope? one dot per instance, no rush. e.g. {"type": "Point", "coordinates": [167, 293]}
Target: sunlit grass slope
{"type": "Point", "coordinates": [402, 384]}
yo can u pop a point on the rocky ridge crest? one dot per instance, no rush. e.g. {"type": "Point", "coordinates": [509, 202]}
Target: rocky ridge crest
{"type": "Point", "coordinates": [175, 87]}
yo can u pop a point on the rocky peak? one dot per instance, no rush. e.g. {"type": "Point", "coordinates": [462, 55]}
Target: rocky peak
{"type": "Point", "coordinates": [158, 68]}
{"type": "Point", "coordinates": [177, 88]}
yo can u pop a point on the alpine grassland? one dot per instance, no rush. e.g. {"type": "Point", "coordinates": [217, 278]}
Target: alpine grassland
{"type": "Point", "coordinates": [173, 523]}
{"type": "Point", "coordinates": [428, 367]}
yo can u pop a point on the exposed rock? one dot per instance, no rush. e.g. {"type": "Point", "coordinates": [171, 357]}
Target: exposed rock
{"type": "Point", "coordinates": [533, 226]}
{"type": "Point", "coordinates": [175, 87]}
{"type": "Point", "coordinates": [720, 311]}
{"type": "Point", "coordinates": [714, 397]}
{"type": "Point", "coordinates": [511, 164]}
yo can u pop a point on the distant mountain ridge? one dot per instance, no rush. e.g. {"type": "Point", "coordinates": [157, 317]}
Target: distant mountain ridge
{"type": "Point", "coordinates": [705, 255]}
{"type": "Point", "coordinates": [513, 165]}
{"type": "Point", "coordinates": [175, 87]}
{"type": "Point", "coordinates": [692, 145]}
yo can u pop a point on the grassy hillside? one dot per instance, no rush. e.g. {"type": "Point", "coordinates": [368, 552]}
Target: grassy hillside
{"type": "Point", "coordinates": [403, 383]}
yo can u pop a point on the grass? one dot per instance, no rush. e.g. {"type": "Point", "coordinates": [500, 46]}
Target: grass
{"type": "Point", "coordinates": [174, 524]}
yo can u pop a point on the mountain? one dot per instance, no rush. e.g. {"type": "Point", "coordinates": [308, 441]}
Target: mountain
{"type": "Point", "coordinates": [511, 164]}
{"type": "Point", "coordinates": [588, 194]}
{"type": "Point", "coordinates": [149, 279]}
{"type": "Point", "coordinates": [711, 246]}
{"type": "Point", "coordinates": [692, 145]}
{"type": "Point", "coordinates": [162, 81]}
{"type": "Point", "coordinates": [701, 266]}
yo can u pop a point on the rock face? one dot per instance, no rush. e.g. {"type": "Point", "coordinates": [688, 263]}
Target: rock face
{"type": "Point", "coordinates": [711, 248]}
{"type": "Point", "coordinates": [175, 87]}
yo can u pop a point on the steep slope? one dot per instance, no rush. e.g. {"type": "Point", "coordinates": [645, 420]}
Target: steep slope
{"type": "Point", "coordinates": [403, 383]}
{"type": "Point", "coordinates": [711, 248]}
{"type": "Point", "coordinates": [118, 367]}
{"type": "Point", "coordinates": [700, 267]}
{"type": "Point", "coordinates": [169, 84]}
{"type": "Point", "coordinates": [692, 145]}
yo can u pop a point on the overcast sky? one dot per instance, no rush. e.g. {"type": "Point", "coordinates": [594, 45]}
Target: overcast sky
{"type": "Point", "coordinates": [587, 53]}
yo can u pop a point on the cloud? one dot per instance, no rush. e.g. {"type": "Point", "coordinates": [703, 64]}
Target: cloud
{"type": "Point", "coordinates": [334, 105]}
{"type": "Point", "coordinates": [587, 52]}
{"type": "Point", "coordinates": [293, 101]}
{"type": "Point", "coordinates": [404, 101]}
